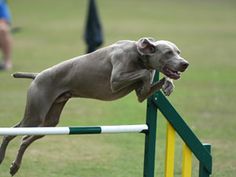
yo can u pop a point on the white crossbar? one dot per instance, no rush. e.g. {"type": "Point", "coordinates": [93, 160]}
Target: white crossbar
{"type": "Point", "coordinates": [124, 128]}
{"type": "Point", "coordinates": [73, 130]}
{"type": "Point", "coordinates": [35, 131]}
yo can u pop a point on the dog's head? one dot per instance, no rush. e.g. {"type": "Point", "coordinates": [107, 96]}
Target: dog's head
{"type": "Point", "coordinates": [163, 56]}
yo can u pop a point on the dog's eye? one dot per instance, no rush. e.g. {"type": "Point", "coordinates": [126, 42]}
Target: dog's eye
{"type": "Point", "coordinates": [169, 53]}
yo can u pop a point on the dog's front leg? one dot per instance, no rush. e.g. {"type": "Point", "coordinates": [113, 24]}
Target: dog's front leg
{"type": "Point", "coordinates": [122, 80]}
{"type": "Point", "coordinates": [126, 74]}
{"type": "Point", "coordinates": [168, 86]}
{"type": "Point", "coordinates": [142, 95]}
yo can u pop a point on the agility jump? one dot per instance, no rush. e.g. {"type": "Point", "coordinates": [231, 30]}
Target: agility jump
{"type": "Point", "coordinates": [176, 125]}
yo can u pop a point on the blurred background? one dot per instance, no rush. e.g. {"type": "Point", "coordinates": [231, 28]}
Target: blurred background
{"type": "Point", "coordinates": [52, 31]}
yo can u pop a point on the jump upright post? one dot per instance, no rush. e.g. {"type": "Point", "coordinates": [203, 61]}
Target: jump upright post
{"type": "Point", "coordinates": [175, 125]}
{"type": "Point", "coordinates": [175, 122]}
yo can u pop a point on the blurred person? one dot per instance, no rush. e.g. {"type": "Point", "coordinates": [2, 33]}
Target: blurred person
{"type": "Point", "coordinates": [93, 35]}
{"type": "Point", "coordinates": [5, 36]}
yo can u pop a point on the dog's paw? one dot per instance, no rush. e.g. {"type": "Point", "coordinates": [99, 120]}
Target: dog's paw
{"type": "Point", "coordinates": [14, 168]}
{"type": "Point", "coordinates": [168, 87]}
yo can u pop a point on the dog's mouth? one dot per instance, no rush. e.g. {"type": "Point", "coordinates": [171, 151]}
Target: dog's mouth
{"type": "Point", "coordinates": [173, 74]}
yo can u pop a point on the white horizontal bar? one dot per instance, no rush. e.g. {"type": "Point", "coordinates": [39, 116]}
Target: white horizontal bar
{"type": "Point", "coordinates": [35, 131]}
{"type": "Point", "coordinates": [75, 130]}
{"type": "Point", "coordinates": [124, 128]}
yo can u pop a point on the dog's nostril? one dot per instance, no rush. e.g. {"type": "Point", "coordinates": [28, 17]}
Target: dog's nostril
{"type": "Point", "coordinates": [185, 65]}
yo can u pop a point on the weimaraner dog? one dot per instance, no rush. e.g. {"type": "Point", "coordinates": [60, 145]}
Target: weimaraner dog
{"type": "Point", "coordinates": [106, 74]}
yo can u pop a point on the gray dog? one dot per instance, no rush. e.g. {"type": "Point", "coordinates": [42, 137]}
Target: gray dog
{"type": "Point", "coordinates": [106, 74]}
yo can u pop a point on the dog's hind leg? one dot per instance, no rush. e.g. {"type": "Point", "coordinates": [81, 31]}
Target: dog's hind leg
{"type": "Point", "coordinates": [27, 140]}
{"type": "Point", "coordinates": [54, 113]}
{"type": "Point", "coordinates": [5, 142]}
{"type": "Point", "coordinates": [51, 120]}
{"type": "Point", "coordinates": [26, 122]}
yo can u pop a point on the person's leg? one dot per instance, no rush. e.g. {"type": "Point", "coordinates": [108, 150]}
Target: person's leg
{"type": "Point", "coordinates": [6, 44]}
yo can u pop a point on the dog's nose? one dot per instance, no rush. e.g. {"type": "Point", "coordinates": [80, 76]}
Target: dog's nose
{"type": "Point", "coordinates": [184, 65]}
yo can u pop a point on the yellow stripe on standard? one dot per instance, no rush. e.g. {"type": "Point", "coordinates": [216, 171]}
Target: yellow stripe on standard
{"type": "Point", "coordinates": [170, 151]}
{"type": "Point", "coordinates": [187, 162]}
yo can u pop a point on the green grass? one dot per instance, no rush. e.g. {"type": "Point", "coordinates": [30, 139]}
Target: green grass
{"type": "Point", "coordinates": [52, 31]}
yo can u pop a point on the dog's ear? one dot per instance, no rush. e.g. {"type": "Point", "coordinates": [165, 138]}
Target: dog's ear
{"type": "Point", "coordinates": [146, 46]}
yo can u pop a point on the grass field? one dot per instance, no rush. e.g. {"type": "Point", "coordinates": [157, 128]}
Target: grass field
{"type": "Point", "coordinates": [52, 31]}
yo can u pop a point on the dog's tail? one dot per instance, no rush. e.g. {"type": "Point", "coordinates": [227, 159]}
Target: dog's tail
{"type": "Point", "coordinates": [24, 75]}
